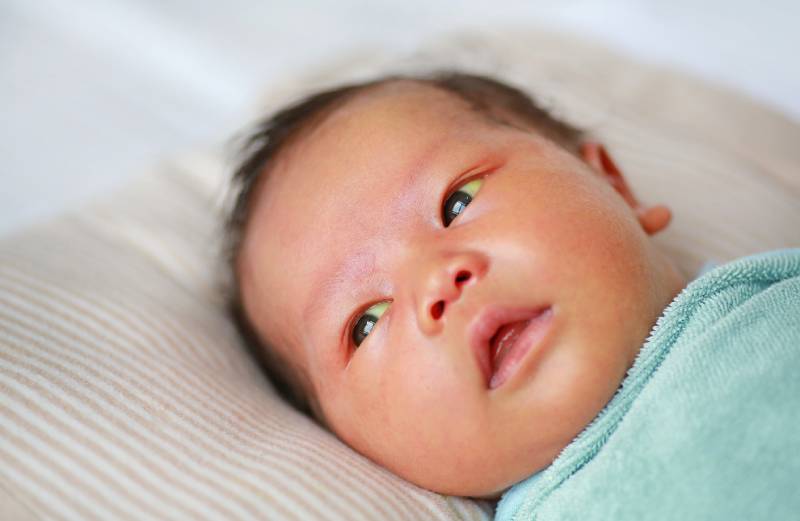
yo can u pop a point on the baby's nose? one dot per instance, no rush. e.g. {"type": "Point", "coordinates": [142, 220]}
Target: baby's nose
{"type": "Point", "coordinates": [444, 284]}
{"type": "Point", "coordinates": [438, 307]}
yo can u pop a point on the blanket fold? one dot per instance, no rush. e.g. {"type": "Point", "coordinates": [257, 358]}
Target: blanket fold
{"type": "Point", "coordinates": [706, 423]}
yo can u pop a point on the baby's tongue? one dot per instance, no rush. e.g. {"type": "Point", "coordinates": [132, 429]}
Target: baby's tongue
{"type": "Point", "coordinates": [503, 341]}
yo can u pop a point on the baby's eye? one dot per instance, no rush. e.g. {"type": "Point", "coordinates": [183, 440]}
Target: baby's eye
{"type": "Point", "coordinates": [367, 321]}
{"type": "Point", "coordinates": [459, 200]}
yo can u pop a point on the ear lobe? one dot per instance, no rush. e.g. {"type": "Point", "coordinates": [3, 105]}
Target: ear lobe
{"type": "Point", "coordinates": [652, 219]}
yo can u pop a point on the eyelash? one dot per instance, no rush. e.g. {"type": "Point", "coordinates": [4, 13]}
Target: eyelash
{"type": "Point", "coordinates": [349, 331]}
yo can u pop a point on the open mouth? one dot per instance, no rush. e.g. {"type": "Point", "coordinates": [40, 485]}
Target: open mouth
{"type": "Point", "coordinates": [501, 338]}
{"type": "Point", "coordinates": [503, 341]}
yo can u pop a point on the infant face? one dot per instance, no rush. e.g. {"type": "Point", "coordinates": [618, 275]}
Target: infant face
{"type": "Point", "coordinates": [348, 234]}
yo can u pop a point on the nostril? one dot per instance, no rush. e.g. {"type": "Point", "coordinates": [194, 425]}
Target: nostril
{"type": "Point", "coordinates": [437, 310]}
{"type": "Point", "coordinates": [462, 277]}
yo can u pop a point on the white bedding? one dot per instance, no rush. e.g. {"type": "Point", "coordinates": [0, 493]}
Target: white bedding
{"type": "Point", "coordinates": [92, 92]}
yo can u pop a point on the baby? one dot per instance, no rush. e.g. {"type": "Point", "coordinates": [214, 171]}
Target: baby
{"type": "Point", "coordinates": [442, 274]}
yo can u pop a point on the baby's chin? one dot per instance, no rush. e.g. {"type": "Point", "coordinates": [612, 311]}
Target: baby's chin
{"type": "Point", "coordinates": [482, 482]}
{"type": "Point", "coordinates": [491, 497]}
{"type": "Point", "coordinates": [477, 487]}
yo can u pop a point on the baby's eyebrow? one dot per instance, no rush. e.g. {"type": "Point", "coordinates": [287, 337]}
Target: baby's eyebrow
{"type": "Point", "coordinates": [331, 282]}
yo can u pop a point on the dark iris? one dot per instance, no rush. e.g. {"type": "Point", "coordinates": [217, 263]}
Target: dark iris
{"type": "Point", "coordinates": [363, 327]}
{"type": "Point", "coordinates": [454, 205]}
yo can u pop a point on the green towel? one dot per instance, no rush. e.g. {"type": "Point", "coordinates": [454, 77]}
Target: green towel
{"type": "Point", "coordinates": [706, 423]}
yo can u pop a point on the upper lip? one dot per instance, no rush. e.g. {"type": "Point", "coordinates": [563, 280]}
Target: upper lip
{"type": "Point", "coordinates": [484, 326]}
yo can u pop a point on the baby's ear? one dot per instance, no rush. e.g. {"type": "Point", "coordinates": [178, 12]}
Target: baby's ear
{"type": "Point", "coordinates": [652, 218]}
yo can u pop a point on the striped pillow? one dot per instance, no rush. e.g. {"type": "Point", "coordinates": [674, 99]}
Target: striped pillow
{"type": "Point", "coordinates": [124, 390]}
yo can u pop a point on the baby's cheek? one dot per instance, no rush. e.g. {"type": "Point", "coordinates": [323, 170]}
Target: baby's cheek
{"type": "Point", "coordinates": [418, 377]}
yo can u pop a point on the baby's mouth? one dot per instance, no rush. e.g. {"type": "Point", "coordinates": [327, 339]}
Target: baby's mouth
{"type": "Point", "coordinates": [503, 341]}
{"type": "Point", "coordinates": [501, 336]}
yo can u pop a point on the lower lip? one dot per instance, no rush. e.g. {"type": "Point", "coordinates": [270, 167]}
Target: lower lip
{"type": "Point", "coordinates": [533, 333]}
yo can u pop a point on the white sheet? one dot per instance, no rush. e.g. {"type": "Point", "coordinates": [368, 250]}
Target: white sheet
{"type": "Point", "coordinates": [94, 91]}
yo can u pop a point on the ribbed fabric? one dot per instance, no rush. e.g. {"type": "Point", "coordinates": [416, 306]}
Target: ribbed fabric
{"type": "Point", "coordinates": [125, 392]}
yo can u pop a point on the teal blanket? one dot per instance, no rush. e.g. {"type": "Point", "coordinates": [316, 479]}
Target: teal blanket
{"type": "Point", "coordinates": [706, 423]}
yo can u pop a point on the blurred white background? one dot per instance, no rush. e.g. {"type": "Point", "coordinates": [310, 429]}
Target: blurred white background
{"type": "Point", "coordinates": [93, 92]}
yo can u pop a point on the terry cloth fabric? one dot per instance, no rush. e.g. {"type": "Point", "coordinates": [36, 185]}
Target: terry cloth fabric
{"type": "Point", "coordinates": [705, 424]}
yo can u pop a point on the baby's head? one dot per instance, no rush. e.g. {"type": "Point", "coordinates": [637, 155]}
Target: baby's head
{"type": "Point", "coordinates": [443, 275]}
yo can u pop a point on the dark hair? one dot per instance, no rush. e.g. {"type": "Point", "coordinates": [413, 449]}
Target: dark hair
{"type": "Point", "coordinates": [489, 97]}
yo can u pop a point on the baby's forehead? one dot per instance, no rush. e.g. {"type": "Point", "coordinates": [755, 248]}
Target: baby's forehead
{"type": "Point", "coordinates": [403, 95]}
{"type": "Point", "coordinates": [388, 107]}
{"type": "Point", "coordinates": [382, 136]}
{"type": "Point", "coordinates": [389, 133]}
